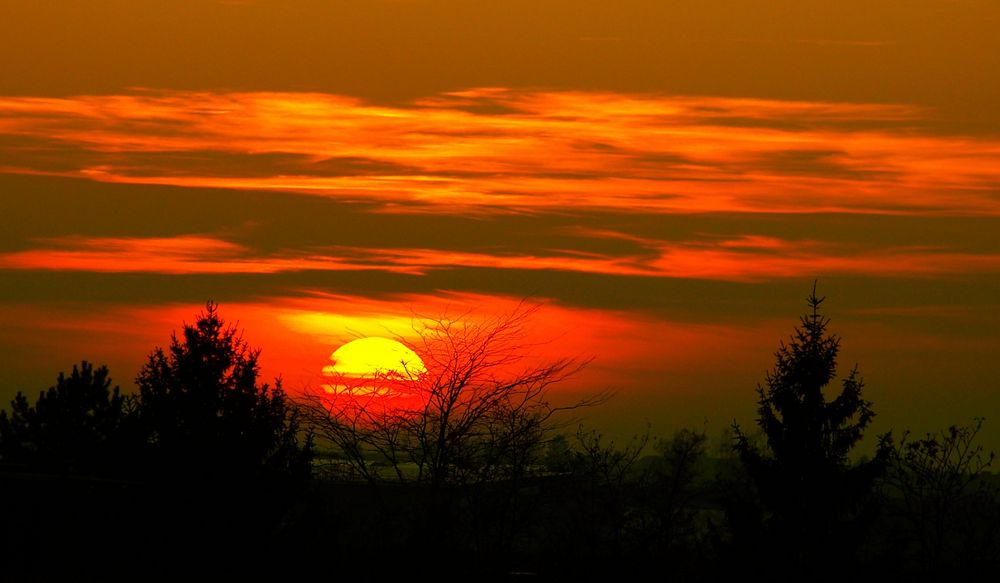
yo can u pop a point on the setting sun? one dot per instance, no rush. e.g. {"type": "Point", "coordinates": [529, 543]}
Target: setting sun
{"type": "Point", "coordinates": [374, 357]}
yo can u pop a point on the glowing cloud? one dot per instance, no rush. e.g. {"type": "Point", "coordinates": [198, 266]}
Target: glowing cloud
{"type": "Point", "coordinates": [516, 150]}
{"type": "Point", "coordinates": [171, 255]}
{"type": "Point", "coordinates": [750, 258]}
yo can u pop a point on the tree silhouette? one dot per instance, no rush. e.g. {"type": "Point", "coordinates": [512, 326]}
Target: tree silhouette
{"type": "Point", "coordinates": [224, 460]}
{"type": "Point", "coordinates": [477, 414]}
{"type": "Point", "coordinates": [460, 437]}
{"type": "Point", "coordinates": [949, 510]}
{"type": "Point", "coordinates": [200, 468]}
{"type": "Point", "coordinates": [617, 509]}
{"type": "Point", "coordinates": [76, 426]}
{"type": "Point", "coordinates": [66, 473]}
{"type": "Point", "coordinates": [813, 498]}
{"type": "Point", "coordinates": [204, 411]}
{"type": "Point", "coordinates": [604, 488]}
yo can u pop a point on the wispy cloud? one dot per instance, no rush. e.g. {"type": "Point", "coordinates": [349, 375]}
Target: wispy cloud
{"type": "Point", "coordinates": [169, 255]}
{"type": "Point", "coordinates": [498, 148]}
{"type": "Point", "coordinates": [748, 259]}
{"type": "Point", "coordinates": [736, 260]}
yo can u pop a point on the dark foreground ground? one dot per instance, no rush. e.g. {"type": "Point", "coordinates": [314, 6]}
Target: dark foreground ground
{"type": "Point", "coordinates": [543, 529]}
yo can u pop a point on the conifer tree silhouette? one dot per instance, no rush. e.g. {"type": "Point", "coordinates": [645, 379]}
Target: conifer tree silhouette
{"type": "Point", "coordinates": [814, 499]}
{"type": "Point", "coordinates": [205, 412]}
{"type": "Point", "coordinates": [76, 426]}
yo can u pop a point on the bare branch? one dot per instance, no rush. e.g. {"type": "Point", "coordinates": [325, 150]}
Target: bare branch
{"type": "Point", "coordinates": [477, 411]}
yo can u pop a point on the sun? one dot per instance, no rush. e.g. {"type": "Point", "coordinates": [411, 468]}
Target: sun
{"type": "Point", "coordinates": [374, 358]}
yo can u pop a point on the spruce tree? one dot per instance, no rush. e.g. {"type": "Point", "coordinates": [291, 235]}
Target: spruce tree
{"type": "Point", "coordinates": [814, 499]}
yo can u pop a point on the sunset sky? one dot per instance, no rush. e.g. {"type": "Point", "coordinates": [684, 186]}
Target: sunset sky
{"type": "Point", "coordinates": [667, 177]}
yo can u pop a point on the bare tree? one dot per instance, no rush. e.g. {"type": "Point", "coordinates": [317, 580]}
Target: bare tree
{"type": "Point", "coordinates": [462, 431]}
{"type": "Point", "coordinates": [477, 411]}
{"type": "Point", "coordinates": [948, 506]}
{"type": "Point", "coordinates": [605, 488]}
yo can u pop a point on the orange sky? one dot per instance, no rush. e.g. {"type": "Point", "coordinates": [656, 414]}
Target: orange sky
{"type": "Point", "coordinates": [668, 178]}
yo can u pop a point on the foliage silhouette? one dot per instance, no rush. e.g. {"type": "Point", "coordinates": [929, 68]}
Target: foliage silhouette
{"type": "Point", "coordinates": [815, 502]}
{"type": "Point", "coordinates": [606, 481]}
{"type": "Point", "coordinates": [463, 478]}
{"type": "Point", "coordinates": [204, 411]}
{"type": "Point", "coordinates": [948, 511]}
{"type": "Point", "coordinates": [77, 426]}
{"type": "Point", "coordinates": [224, 457]}
{"type": "Point", "coordinates": [618, 508]}
{"type": "Point", "coordinates": [676, 524]}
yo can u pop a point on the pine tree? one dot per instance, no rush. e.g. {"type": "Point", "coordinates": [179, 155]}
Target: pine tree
{"type": "Point", "coordinates": [814, 499]}
{"type": "Point", "coordinates": [205, 412]}
{"type": "Point", "coordinates": [79, 425]}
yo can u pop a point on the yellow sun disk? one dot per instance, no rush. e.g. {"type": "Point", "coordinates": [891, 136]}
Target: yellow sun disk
{"type": "Point", "coordinates": [367, 357]}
